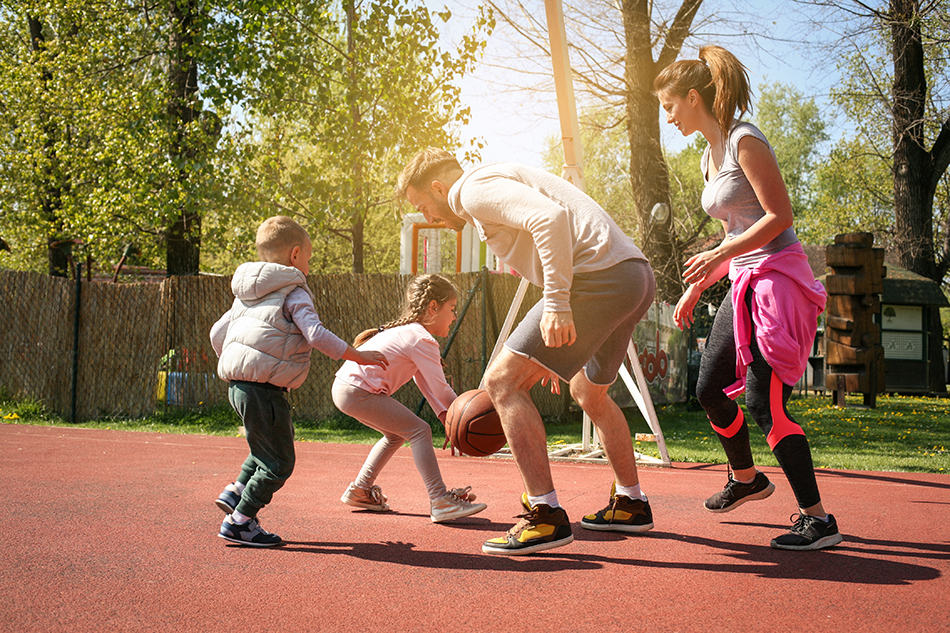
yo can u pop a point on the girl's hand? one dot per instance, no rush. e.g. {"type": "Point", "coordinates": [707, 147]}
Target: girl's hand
{"type": "Point", "coordinates": [683, 313]}
{"type": "Point", "coordinates": [555, 383]}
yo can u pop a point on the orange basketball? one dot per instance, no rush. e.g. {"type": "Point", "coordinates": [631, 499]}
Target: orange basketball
{"type": "Point", "coordinates": [473, 425]}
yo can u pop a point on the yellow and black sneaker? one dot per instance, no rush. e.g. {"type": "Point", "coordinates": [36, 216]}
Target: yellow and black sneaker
{"type": "Point", "coordinates": [623, 514]}
{"type": "Point", "coordinates": [541, 527]}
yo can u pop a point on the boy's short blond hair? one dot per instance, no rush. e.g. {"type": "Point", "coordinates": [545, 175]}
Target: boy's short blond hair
{"type": "Point", "coordinates": [430, 164]}
{"type": "Point", "coordinates": [277, 236]}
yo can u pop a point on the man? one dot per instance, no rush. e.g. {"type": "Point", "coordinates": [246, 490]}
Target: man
{"type": "Point", "coordinates": [596, 286]}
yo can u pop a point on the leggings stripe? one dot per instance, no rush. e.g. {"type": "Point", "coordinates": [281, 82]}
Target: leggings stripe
{"type": "Point", "coordinates": [782, 425]}
{"type": "Point", "coordinates": [733, 428]}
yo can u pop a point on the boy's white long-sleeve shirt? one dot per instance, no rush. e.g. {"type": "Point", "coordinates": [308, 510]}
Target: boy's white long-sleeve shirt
{"type": "Point", "coordinates": [541, 225]}
{"type": "Point", "coordinates": [413, 353]}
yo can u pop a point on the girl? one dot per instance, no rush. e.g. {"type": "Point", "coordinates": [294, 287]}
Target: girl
{"type": "Point", "coordinates": [412, 352]}
{"type": "Point", "coordinates": [764, 329]}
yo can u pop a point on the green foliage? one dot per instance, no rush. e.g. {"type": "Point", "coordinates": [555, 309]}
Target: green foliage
{"type": "Point", "coordinates": [856, 183]}
{"type": "Point", "coordinates": [853, 192]}
{"type": "Point", "coordinates": [378, 89]}
{"type": "Point", "coordinates": [288, 116]}
{"type": "Point", "coordinates": [796, 131]}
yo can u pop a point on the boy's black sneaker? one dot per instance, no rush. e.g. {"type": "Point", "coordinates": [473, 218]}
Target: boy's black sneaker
{"type": "Point", "coordinates": [622, 514]}
{"type": "Point", "coordinates": [736, 493]}
{"type": "Point", "coordinates": [541, 527]}
{"type": "Point", "coordinates": [250, 534]}
{"type": "Point", "coordinates": [808, 533]}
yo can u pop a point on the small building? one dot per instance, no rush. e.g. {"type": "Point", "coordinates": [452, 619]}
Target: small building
{"type": "Point", "coordinates": [907, 305]}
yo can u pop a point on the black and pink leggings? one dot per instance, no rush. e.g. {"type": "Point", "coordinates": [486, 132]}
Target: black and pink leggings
{"type": "Point", "coordinates": [765, 397]}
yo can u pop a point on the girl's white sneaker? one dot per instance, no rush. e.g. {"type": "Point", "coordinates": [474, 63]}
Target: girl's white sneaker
{"type": "Point", "coordinates": [455, 504]}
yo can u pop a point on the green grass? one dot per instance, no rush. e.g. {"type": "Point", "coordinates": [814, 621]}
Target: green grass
{"type": "Point", "coordinates": [902, 433]}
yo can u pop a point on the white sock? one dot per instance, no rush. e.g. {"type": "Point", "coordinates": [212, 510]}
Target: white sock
{"type": "Point", "coordinates": [549, 499]}
{"type": "Point", "coordinates": [633, 492]}
{"type": "Point", "coordinates": [237, 517]}
{"type": "Point", "coordinates": [236, 487]}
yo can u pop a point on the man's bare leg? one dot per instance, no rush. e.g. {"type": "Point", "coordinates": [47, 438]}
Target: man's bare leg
{"type": "Point", "coordinates": [508, 381]}
{"type": "Point", "coordinates": [611, 426]}
{"type": "Point", "coordinates": [545, 526]}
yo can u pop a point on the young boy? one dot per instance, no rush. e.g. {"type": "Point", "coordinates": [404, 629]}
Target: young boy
{"type": "Point", "coordinates": [263, 345]}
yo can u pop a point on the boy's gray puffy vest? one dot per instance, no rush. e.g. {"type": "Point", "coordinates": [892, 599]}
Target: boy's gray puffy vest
{"type": "Point", "coordinates": [262, 345]}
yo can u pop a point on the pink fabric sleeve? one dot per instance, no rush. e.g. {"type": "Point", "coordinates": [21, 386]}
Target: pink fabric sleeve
{"type": "Point", "coordinates": [430, 378]}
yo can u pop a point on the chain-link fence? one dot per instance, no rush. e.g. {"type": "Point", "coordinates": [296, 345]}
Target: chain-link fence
{"type": "Point", "coordinates": [138, 346]}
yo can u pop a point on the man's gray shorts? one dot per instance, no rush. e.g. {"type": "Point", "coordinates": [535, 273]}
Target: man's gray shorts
{"type": "Point", "coordinates": [607, 305]}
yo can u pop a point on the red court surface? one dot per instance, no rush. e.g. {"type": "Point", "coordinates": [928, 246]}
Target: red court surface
{"type": "Point", "coordinates": [116, 531]}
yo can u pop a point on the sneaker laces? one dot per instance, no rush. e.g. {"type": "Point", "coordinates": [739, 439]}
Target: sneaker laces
{"type": "Point", "coordinates": [799, 522]}
{"type": "Point", "coordinates": [612, 509]}
{"type": "Point", "coordinates": [376, 494]}
{"type": "Point", "coordinates": [463, 494]}
{"type": "Point", "coordinates": [526, 520]}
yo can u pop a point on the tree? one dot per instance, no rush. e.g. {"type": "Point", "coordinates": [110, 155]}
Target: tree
{"type": "Point", "coordinates": [896, 98]}
{"type": "Point", "coordinates": [852, 192]}
{"type": "Point", "coordinates": [796, 132]}
{"type": "Point", "coordinates": [379, 88]}
{"type": "Point", "coordinates": [104, 135]}
{"type": "Point", "coordinates": [648, 174]}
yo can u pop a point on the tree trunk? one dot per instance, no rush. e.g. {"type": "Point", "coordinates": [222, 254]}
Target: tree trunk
{"type": "Point", "coordinates": [913, 168]}
{"type": "Point", "coordinates": [357, 213]}
{"type": "Point", "coordinates": [649, 178]}
{"type": "Point", "coordinates": [49, 195]}
{"type": "Point", "coordinates": [183, 235]}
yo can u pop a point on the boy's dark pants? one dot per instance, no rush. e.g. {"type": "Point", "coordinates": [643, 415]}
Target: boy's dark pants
{"type": "Point", "coordinates": [270, 435]}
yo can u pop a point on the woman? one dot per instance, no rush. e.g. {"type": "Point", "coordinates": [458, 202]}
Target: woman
{"type": "Point", "coordinates": [765, 327]}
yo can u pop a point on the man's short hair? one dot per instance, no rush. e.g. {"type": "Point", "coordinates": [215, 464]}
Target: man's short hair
{"type": "Point", "coordinates": [430, 164]}
{"type": "Point", "coordinates": [276, 236]}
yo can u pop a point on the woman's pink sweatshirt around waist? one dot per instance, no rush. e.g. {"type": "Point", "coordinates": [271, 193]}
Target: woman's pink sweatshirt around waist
{"type": "Point", "coordinates": [785, 309]}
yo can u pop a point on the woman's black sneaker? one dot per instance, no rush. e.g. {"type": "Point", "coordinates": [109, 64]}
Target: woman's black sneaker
{"type": "Point", "coordinates": [736, 493]}
{"type": "Point", "coordinates": [809, 533]}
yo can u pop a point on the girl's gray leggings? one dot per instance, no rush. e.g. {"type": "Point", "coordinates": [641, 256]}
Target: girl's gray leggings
{"type": "Point", "coordinates": [398, 425]}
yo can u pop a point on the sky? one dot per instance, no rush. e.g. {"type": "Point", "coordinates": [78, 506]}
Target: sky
{"type": "Point", "coordinates": [515, 123]}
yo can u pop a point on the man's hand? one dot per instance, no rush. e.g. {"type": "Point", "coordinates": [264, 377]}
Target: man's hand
{"type": "Point", "coordinates": [557, 329]}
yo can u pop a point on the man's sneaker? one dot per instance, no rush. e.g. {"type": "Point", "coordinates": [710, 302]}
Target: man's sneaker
{"type": "Point", "coordinates": [736, 493]}
{"type": "Point", "coordinates": [622, 514]}
{"type": "Point", "coordinates": [228, 499]}
{"type": "Point", "coordinates": [250, 533]}
{"type": "Point", "coordinates": [455, 504]}
{"type": "Point", "coordinates": [372, 499]}
{"type": "Point", "coordinates": [809, 533]}
{"type": "Point", "coordinates": [541, 528]}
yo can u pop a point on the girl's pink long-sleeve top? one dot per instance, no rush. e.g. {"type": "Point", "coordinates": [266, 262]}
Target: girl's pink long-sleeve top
{"type": "Point", "coordinates": [413, 354]}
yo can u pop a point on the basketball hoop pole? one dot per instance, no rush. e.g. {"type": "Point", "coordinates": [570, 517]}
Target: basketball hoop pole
{"type": "Point", "coordinates": [573, 172]}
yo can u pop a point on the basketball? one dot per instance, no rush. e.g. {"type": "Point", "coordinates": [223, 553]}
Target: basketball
{"type": "Point", "coordinates": [473, 425]}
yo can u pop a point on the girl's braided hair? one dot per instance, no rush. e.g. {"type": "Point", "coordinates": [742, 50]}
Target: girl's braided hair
{"type": "Point", "coordinates": [421, 290]}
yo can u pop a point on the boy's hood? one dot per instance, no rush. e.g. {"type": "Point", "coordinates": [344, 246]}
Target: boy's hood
{"type": "Point", "coordinates": [254, 280]}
